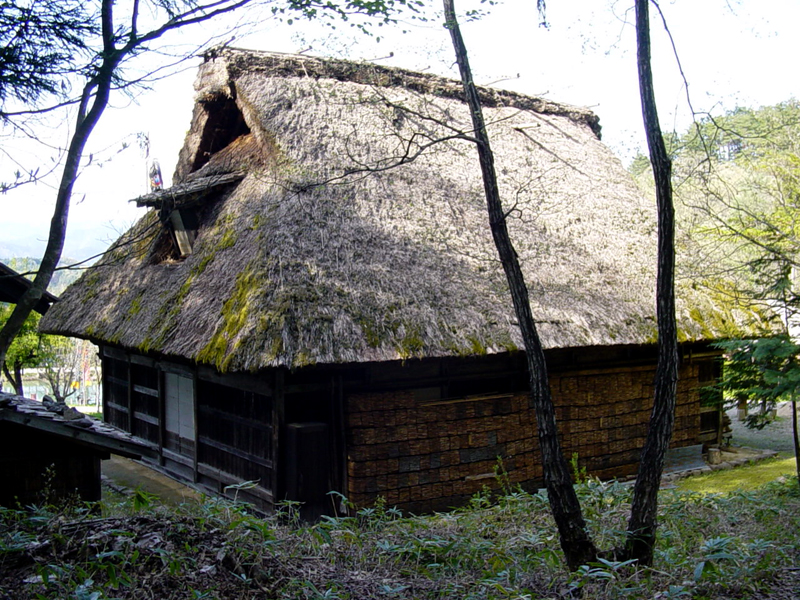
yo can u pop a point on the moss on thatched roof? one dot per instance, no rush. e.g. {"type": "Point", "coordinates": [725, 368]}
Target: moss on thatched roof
{"type": "Point", "coordinates": [337, 247]}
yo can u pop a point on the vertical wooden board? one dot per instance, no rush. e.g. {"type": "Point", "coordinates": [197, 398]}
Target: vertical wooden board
{"type": "Point", "coordinates": [180, 405]}
{"type": "Point", "coordinates": [172, 395]}
{"type": "Point", "coordinates": [162, 434]}
{"type": "Point", "coordinates": [196, 421]}
{"type": "Point", "coordinates": [277, 426]}
{"type": "Point", "coordinates": [129, 399]}
{"type": "Point", "coordinates": [186, 408]}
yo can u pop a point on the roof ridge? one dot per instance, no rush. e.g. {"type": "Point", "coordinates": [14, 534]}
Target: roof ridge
{"type": "Point", "coordinates": [241, 60]}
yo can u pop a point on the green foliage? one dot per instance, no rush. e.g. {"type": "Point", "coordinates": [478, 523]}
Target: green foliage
{"type": "Point", "coordinates": [578, 473]}
{"type": "Point", "coordinates": [27, 349]}
{"type": "Point", "coordinates": [42, 43]}
{"type": "Point", "coordinates": [709, 546]}
{"type": "Point", "coordinates": [762, 372]}
{"type": "Point", "coordinates": [380, 12]}
{"type": "Point", "coordinates": [739, 190]}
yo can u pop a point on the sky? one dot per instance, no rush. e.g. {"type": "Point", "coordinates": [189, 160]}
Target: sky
{"type": "Point", "coordinates": [732, 53]}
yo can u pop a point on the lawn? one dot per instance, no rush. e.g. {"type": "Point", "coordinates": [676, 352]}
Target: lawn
{"type": "Point", "coordinates": [740, 479]}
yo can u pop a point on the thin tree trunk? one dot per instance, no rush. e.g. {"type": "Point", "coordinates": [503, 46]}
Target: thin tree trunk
{"type": "Point", "coordinates": [96, 91]}
{"type": "Point", "coordinates": [94, 100]}
{"type": "Point", "coordinates": [575, 541]}
{"type": "Point", "coordinates": [15, 378]}
{"type": "Point", "coordinates": [642, 525]}
{"type": "Point", "coordinates": [796, 439]}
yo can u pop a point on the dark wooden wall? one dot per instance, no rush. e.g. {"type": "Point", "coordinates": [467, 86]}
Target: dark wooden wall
{"type": "Point", "coordinates": [234, 438]}
{"type": "Point", "coordinates": [432, 446]}
{"type": "Point", "coordinates": [38, 467]}
{"type": "Point", "coordinates": [423, 434]}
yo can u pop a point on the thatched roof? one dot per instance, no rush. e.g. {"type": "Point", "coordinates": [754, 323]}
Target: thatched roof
{"type": "Point", "coordinates": [329, 251]}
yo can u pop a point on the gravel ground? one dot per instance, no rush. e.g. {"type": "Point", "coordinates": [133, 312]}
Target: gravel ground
{"type": "Point", "coordinates": [775, 436]}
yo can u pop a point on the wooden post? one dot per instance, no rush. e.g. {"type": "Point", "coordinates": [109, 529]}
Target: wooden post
{"type": "Point", "coordinates": [130, 392]}
{"type": "Point", "coordinates": [195, 385]}
{"type": "Point", "coordinates": [340, 432]}
{"type": "Point", "coordinates": [278, 417]}
{"type": "Point", "coordinates": [162, 414]}
{"type": "Point", "coordinates": [104, 383]}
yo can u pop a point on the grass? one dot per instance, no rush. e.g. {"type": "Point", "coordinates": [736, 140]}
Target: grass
{"type": "Point", "coordinates": [740, 479]}
{"type": "Point", "coordinates": [711, 546]}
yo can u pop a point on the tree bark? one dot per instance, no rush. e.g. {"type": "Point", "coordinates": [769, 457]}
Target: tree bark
{"type": "Point", "coordinates": [577, 546]}
{"type": "Point", "coordinates": [796, 439]}
{"type": "Point", "coordinates": [643, 520]}
{"type": "Point", "coordinates": [15, 378]}
{"type": "Point", "coordinates": [96, 91]}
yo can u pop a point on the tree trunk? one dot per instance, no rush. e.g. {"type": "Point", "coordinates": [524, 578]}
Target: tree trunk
{"type": "Point", "coordinates": [796, 439]}
{"type": "Point", "coordinates": [642, 524]}
{"type": "Point", "coordinates": [96, 91]}
{"type": "Point", "coordinates": [15, 378]}
{"type": "Point", "coordinates": [93, 102]}
{"type": "Point", "coordinates": [578, 547]}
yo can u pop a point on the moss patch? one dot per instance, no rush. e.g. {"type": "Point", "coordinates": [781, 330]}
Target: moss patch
{"type": "Point", "coordinates": [221, 347]}
{"type": "Point", "coordinates": [411, 345]}
{"type": "Point", "coordinates": [136, 305]}
{"type": "Point", "coordinates": [744, 478]}
{"type": "Point", "coordinates": [91, 284]}
{"type": "Point", "coordinates": [227, 240]}
{"type": "Point", "coordinates": [164, 323]}
{"type": "Point", "coordinates": [257, 222]}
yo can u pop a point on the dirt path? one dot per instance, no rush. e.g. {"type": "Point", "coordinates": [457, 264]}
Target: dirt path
{"type": "Point", "coordinates": [775, 436]}
{"type": "Point", "coordinates": [130, 475]}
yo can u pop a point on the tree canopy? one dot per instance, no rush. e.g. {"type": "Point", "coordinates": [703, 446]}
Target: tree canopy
{"type": "Point", "coordinates": [42, 44]}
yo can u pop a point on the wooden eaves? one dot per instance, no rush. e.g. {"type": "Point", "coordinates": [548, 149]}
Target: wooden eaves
{"type": "Point", "coordinates": [86, 431]}
{"type": "Point", "coordinates": [13, 286]}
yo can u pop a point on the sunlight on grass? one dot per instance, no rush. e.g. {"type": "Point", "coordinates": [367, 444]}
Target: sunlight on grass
{"type": "Point", "coordinates": [746, 477]}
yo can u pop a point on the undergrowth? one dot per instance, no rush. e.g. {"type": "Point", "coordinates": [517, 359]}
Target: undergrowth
{"type": "Point", "coordinates": [710, 546]}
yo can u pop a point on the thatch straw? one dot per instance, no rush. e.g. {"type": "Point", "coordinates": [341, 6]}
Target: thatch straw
{"type": "Point", "coordinates": [327, 253]}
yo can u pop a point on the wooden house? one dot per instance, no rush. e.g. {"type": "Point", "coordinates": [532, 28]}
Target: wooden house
{"type": "Point", "coordinates": [316, 304]}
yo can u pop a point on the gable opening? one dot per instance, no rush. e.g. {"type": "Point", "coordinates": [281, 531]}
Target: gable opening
{"type": "Point", "coordinates": [223, 125]}
{"type": "Point", "coordinates": [180, 228]}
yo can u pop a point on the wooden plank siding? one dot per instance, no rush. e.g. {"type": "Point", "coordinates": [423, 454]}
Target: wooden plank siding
{"type": "Point", "coordinates": [424, 434]}
{"type": "Point", "coordinates": [213, 434]}
{"type": "Point", "coordinates": [432, 444]}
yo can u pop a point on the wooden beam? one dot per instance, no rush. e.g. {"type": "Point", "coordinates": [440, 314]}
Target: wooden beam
{"type": "Point", "coordinates": [145, 361]}
{"type": "Point", "coordinates": [195, 408]}
{"type": "Point", "coordinates": [86, 437]}
{"type": "Point", "coordinates": [119, 407]}
{"type": "Point", "coordinates": [467, 399]}
{"type": "Point", "coordinates": [240, 381]}
{"type": "Point", "coordinates": [145, 418]}
{"type": "Point", "coordinates": [147, 391]}
{"type": "Point", "coordinates": [278, 418]}
{"type": "Point", "coordinates": [114, 353]}
{"type": "Point", "coordinates": [228, 416]}
{"type": "Point", "coordinates": [262, 462]}
{"type": "Point", "coordinates": [176, 369]}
